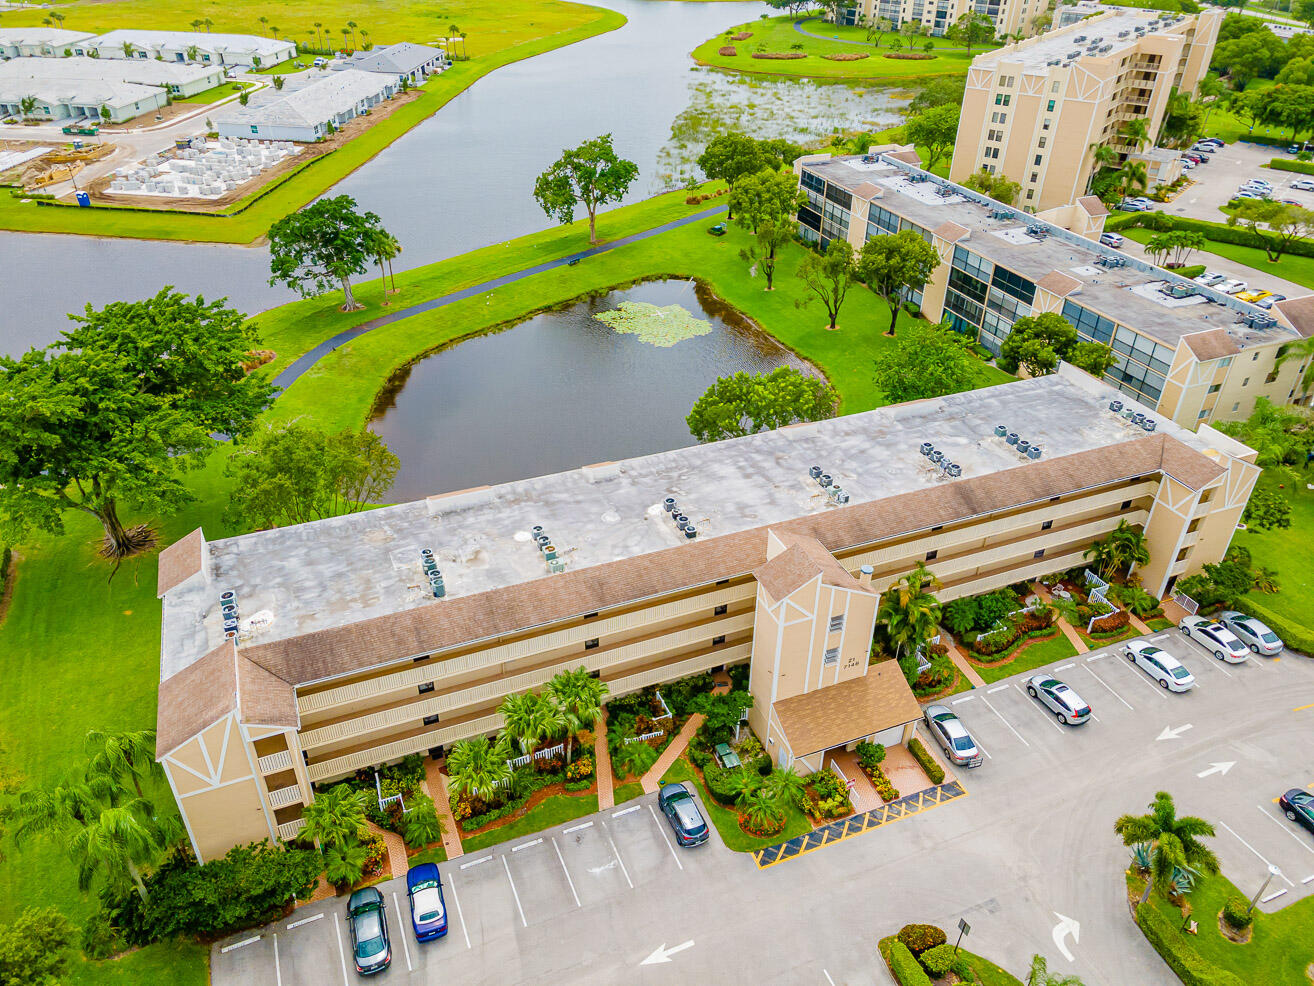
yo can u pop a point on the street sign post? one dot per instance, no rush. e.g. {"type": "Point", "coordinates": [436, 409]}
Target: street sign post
{"type": "Point", "coordinates": [963, 929]}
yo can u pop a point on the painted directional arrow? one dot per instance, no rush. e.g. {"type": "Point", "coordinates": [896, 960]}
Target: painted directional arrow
{"type": "Point", "coordinates": [1066, 926]}
{"type": "Point", "coordinates": [663, 954]}
{"type": "Point", "coordinates": [1217, 768]}
{"type": "Point", "coordinates": [1173, 732]}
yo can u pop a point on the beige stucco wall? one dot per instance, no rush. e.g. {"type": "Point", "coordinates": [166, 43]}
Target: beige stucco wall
{"type": "Point", "coordinates": [224, 817]}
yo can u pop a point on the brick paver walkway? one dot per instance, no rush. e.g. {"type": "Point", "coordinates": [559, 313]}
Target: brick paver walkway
{"type": "Point", "coordinates": [959, 657]}
{"type": "Point", "coordinates": [720, 682]}
{"type": "Point", "coordinates": [436, 782]}
{"type": "Point", "coordinates": [602, 764]}
{"type": "Point", "coordinates": [861, 790]}
{"type": "Point", "coordinates": [652, 780]}
{"type": "Point", "coordinates": [396, 848]}
{"type": "Point", "coordinates": [1139, 624]}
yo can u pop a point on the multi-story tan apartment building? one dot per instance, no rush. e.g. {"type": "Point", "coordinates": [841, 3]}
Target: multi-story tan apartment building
{"type": "Point", "coordinates": [1035, 110]}
{"type": "Point", "coordinates": [1192, 353]}
{"type": "Point", "coordinates": [1011, 17]}
{"type": "Point", "coordinates": [338, 654]}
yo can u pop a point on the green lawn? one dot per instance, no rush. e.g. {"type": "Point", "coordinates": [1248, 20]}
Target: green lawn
{"type": "Point", "coordinates": [285, 68]}
{"type": "Point", "coordinates": [1034, 656]}
{"type": "Point", "coordinates": [175, 963]}
{"type": "Point", "coordinates": [1160, 623]}
{"type": "Point", "coordinates": [555, 810]}
{"type": "Point", "coordinates": [1281, 946]}
{"type": "Point", "coordinates": [434, 854]}
{"type": "Point", "coordinates": [1297, 269]}
{"type": "Point", "coordinates": [250, 218]}
{"type": "Point", "coordinates": [727, 821]}
{"type": "Point", "coordinates": [777, 35]}
{"type": "Point", "coordinates": [627, 792]}
{"type": "Point", "coordinates": [215, 94]}
{"type": "Point", "coordinates": [1287, 552]}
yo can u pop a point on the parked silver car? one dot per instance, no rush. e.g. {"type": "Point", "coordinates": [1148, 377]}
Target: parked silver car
{"type": "Point", "coordinates": [1215, 638]}
{"type": "Point", "coordinates": [1159, 665]}
{"type": "Point", "coordinates": [953, 737]}
{"type": "Point", "coordinates": [1254, 634]}
{"type": "Point", "coordinates": [1066, 704]}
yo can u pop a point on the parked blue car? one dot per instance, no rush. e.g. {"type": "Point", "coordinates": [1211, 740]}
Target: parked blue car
{"type": "Point", "coordinates": [424, 889]}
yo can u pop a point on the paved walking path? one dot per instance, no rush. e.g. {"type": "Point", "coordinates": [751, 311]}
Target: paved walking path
{"type": "Point", "coordinates": [602, 764]}
{"type": "Point", "coordinates": [1063, 624]}
{"type": "Point", "coordinates": [652, 780]}
{"type": "Point", "coordinates": [396, 848]}
{"type": "Point", "coordinates": [308, 359]}
{"type": "Point", "coordinates": [436, 781]}
{"type": "Point", "coordinates": [959, 657]}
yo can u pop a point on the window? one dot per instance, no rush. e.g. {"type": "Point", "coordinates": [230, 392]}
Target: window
{"type": "Point", "coordinates": [1045, 125]}
{"type": "Point", "coordinates": [1201, 415]}
{"type": "Point", "coordinates": [590, 616]}
{"type": "Point", "coordinates": [930, 555]}
{"type": "Point", "coordinates": [1031, 193]}
{"type": "Point", "coordinates": [1046, 525]}
{"type": "Point", "coordinates": [1126, 505]}
{"type": "Point", "coordinates": [1207, 495]}
{"type": "Point", "coordinates": [837, 623]}
{"type": "Point", "coordinates": [938, 527]}
{"type": "Point", "coordinates": [1215, 388]}
{"type": "Point", "coordinates": [426, 687]}
{"type": "Point", "coordinates": [420, 660]}
{"type": "Point", "coordinates": [1041, 142]}
{"type": "Point", "coordinates": [1036, 162]}
{"type": "Point", "coordinates": [1002, 99]}
{"type": "Point", "coordinates": [1245, 381]}
{"type": "Point", "coordinates": [1236, 407]}
{"type": "Point", "coordinates": [1039, 554]}
{"type": "Point", "coordinates": [431, 720]}
{"type": "Point", "coordinates": [255, 130]}
{"type": "Point", "coordinates": [1183, 554]}
{"type": "Point", "coordinates": [1054, 86]}
{"type": "Point", "coordinates": [1050, 107]}
{"type": "Point", "coordinates": [718, 640]}
{"type": "Point", "coordinates": [1035, 177]}
{"type": "Point", "coordinates": [591, 643]}
{"type": "Point", "coordinates": [1254, 358]}
{"type": "Point", "coordinates": [722, 581]}
{"type": "Point", "coordinates": [720, 610]}
{"type": "Point", "coordinates": [832, 656]}
{"type": "Point", "coordinates": [1193, 526]}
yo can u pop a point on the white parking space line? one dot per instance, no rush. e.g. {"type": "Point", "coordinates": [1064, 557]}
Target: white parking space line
{"type": "Point", "coordinates": [514, 892]}
{"type": "Point", "coordinates": [456, 899]}
{"type": "Point", "coordinates": [576, 828]}
{"type": "Point", "coordinates": [526, 845]}
{"type": "Point", "coordinates": [1273, 896]}
{"type": "Point", "coordinates": [1308, 878]}
{"type": "Point", "coordinates": [476, 862]}
{"type": "Point", "coordinates": [1261, 856]}
{"type": "Point", "coordinates": [298, 924]}
{"type": "Point", "coordinates": [406, 948]}
{"type": "Point", "coordinates": [960, 701]}
{"type": "Point", "coordinates": [342, 953]}
{"type": "Point", "coordinates": [240, 944]}
{"type": "Point", "coordinates": [1215, 663]}
{"type": "Point", "coordinates": [1097, 657]}
{"type": "Point", "coordinates": [616, 852]}
{"type": "Point", "coordinates": [1003, 720]}
{"type": "Point", "coordinates": [1255, 661]}
{"type": "Point", "coordinates": [1109, 689]}
{"type": "Point", "coordinates": [625, 811]}
{"type": "Point", "coordinates": [828, 979]}
{"type": "Point", "coordinates": [997, 688]}
{"type": "Point", "coordinates": [1044, 710]}
{"type": "Point", "coordinates": [1283, 826]}
{"type": "Point", "coordinates": [1063, 667]}
{"type": "Point", "coordinates": [1162, 636]}
{"type": "Point", "coordinates": [660, 831]}
{"type": "Point", "coordinates": [561, 860]}
{"type": "Point", "coordinates": [278, 970]}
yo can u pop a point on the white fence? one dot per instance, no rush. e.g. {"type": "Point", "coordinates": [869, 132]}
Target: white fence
{"type": "Point", "coordinates": [1097, 596]}
{"type": "Point", "coordinates": [666, 709]}
{"type": "Point", "coordinates": [1186, 602]}
{"type": "Point", "coordinates": [547, 754]}
{"type": "Point", "coordinates": [645, 736]}
{"type": "Point", "coordinates": [384, 802]}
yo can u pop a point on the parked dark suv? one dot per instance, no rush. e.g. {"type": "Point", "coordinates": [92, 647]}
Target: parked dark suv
{"type": "Point", "coordinates": [681, 810]}
{"type": "Point", "coordinates": [367, 919]}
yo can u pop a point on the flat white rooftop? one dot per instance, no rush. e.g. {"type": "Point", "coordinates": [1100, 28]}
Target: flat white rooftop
{"type": "Point", "coordinates": [1107, 36]}
{"type": "Point", "coordinates": [345, 569]}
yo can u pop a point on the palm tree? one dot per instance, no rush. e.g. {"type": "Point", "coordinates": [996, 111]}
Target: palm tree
{"type": "Point", "coordinates": [742, 785]}
{"type": "Point", "coordinates": [908, 610]}
{"type": "Point", "coordinates": [421, 823]}
{"type": "Point", "coordinates": [122, 756]}
{"type": "Point", "coordinates": [1174, 843]}
{"type": "Point", "coordinates": [263, 20]}
{"type": "Point", "coordinates": [345, 32]}
{"type": "Point", "coordinates": [1300, 351]}
{"type": "Point", "coordinates": [1102, 156]}
{"type": "Point", "coordinates": [785, 786]}
{"type": "Point", "coordinates": [1266, 580]}
{"type": "Point", "coordinates": [27, 105]}
{"type": "Point", "coordinates": [1041, 976]}
{"type": "Point", "coordinates": [761, 811]}
{"type": "Point", "coordinates": [117, 840]}
{"type": "Point", "coordinates": [364, 38]}
{"type": "Point", "coordinates": [477, 766]}
{"type": "Point", "coordinates": [522, 723]}
{"type": "Point", "coordinates": [336, 817]}
{"type": "Point", "coordinates": [318, 25]}
{"type": "Point", "coordinates": [579, 695]}
{"type": "Point", "coordinates": [344, 865]}
{"type": "Point", "coordinates": [351, 25]}
{"type": "Point", "coordinates": [1101, 553]}
{"type": "Point", "coordinates": [196, 24]}
{"type": "Point", "coordinates": [1133, 177]}
{"type": "Point", "coordinates": [193, 53]}
{"type": "Point", "coordinates": [1128, 546]}
{"type": "Point", "coordinates": [273, 30]}
{"type": "Point", "coordinates": [128, 49]}
{"type": "Point", "coordinates": [208, 24]}
{"type": "Point", "coordinates": [1135, 132]}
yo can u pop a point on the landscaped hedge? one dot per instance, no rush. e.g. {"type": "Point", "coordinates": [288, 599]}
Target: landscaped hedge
{"type": "Point", "coordinates": [910, 55]}
{"type": "Point", "coordinates": [1112, 623]}
{"type": "Point", "coordinates": [727, 51]}
{"type": "Point", "coordinates": [1287, 164]}
{"type": "Point", "coordinates": [1194, 270]}
{"type": "Point", "coordinates": [1293, 634]}
{"type": "Point", "coordinates": [779, 55]}
{"type": "Point", "coordinates": [907, 970]}
{"type": "Point", "coordinates": [1191, 967]}
{"type": "Point", "coordinates": [719, 783]}
{"type": "Point", "coordinates": [847, 56]}
{"type": "Point", "coordinates": [933, 770]}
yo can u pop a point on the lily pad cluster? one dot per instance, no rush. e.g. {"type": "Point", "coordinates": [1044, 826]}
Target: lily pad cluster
{"type": "Point", "coordinates": [653, 325]}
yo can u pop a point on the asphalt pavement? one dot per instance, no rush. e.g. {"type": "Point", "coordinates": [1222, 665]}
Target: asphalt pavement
{"type": "Point", "coordinates": [1028, 857]}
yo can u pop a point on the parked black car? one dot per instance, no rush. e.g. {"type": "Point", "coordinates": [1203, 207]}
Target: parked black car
{"type": "Point", "coordinates": [367, 919]}
{"type": "Point", "coordinates": [1298, 805]}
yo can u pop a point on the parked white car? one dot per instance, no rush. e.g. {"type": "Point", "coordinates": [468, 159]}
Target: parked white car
{"type": "Point", "coordinates": [1211, 277]}
{"type": "Point", "coordinates": [1215, 638]}
{"type": "Point", "coordinates": [1254, 634]}
{"type": "Point", "coordinates": [1231, 286]}
{"type": "Point", "coordinates": [1303, 184]}
{"type": "Point", "coordinates": [1159, 665]}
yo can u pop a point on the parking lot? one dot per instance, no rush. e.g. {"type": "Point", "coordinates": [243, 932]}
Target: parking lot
{"type": "Point", "coordinates": [610, 898]}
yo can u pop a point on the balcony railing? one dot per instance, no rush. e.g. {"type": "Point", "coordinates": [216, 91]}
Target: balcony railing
{"type": "Point", "coordinates": [275, 762]}
{"type": "Point", "coordinates": [290, 830]}
{"type": "Point", "coordinates": [285, 797]}
{"type": "Point", "coordinates": [397, 749]}
{"type": "Point", "coordinates": [670, 672]}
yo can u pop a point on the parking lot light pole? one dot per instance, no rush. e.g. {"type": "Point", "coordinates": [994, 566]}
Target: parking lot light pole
{"type": "Point", "coordinates": [1272, 872]}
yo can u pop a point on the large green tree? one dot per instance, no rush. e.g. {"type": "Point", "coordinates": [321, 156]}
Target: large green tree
{"type": "Point", "coordinates": [1173, 841]}
{"type": "Point", "coordinates": [926, 360]}
{"type": "Point", "coordinates": [828, 277]}
{"type": "Point", "coordinates": [1275, 226]}
{"type": "Point", "coordinates": [941, 91]}
{"type": "Point", "coordinates": [894, 264]}
{"type": "Point", "coordinates": [1037, 342]}
{"type": "Point", "coordinates": [126, 757]}
{"type": "Point", "coordinates": [336, 817]}
{"type": "Point", "coordinates": [766, 203]}
{"type": "Point", "coordinates": [999, 186]}
{"type": "Point", "coordinates": [1267, 510]}
{"type": "Point", "coordinates": [579, 696]}
{"type": "Point", "coordinates": [730, 157]}
{"type": "Point", "coordinates": [1279, 435]}
{"type": "Point", "coordinates": [590, 175]}
{"type": "Point", "coordinates": [478, 766]}
{"type": "Point", "coordinates": [327, 242]}
{"type": "Point", "coordinates": [745, 403]}
{"type": "Point", "coordinates": [972, 28]}
{"type": "Point", "coordinates": [936, 130]}
{"type": "Point", "coordinates": [293, 473]}
{"type": "Point", "coordinates": [909, 611]}
{"type": "Point", "coordinates": [117, 410]}
{"type": "Point", "coordinates": [35, 948]}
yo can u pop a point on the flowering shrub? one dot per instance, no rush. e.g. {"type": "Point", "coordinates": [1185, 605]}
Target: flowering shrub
{"type": "Point", "coordinates": [376, 853]}
{"type": "Point", "coordinates": [582, 768]}
{"type": "Point", "coordinates": [766, 826]}
{"type": "Point", "coordinates": [826, 796]}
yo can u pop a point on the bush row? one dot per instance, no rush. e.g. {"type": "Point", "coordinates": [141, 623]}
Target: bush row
{"type": "Point", "coordinates": [910, 55]}
{"type": "Point", "coordinates": [933, 770]}
{"type": "Point", "coordinates": [1112, 623]}
{"type": "Point", "coordinates": [1287, 164]}
{"type": "Point", "coordinates": [1027, 625]}
{"type": "Point", "coordinates": [727, 51]}
{"type": "Point", "coordinates": [529, 786]}
{"type": "Point", "coordinates": [1191, 967]}
{"type": "Point", "coordinates": [847, 56]}
{"type": "Point", "coordinates": [779, 55]}
{"type": "Point", "coordinates": [907, 970]}
{"type": "Point", "coordinates": [699, 199]}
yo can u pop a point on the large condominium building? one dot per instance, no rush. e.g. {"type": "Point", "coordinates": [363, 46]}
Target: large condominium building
{"type": "Point", "coordinates": [338, 655]}
{"type": "Point", "coordinates": [937, 16]}
{"type": "Point", "coordinates": [1192, 353]}
{"type": "Point", "coordinates": [240, 50]}
{"type": "Point", "coordinates": [1035, 110]}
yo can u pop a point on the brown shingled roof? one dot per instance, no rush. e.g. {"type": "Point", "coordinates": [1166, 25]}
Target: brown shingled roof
{"type": "Point", "coordinates": [1093, 206]}
{"type": "Point", "coordinates": [867, 191]}
{"type": "Point", "coordinates": [484, 616]}
{"type": "Point", "coordinates": [804, 559]}
{"type": "Point", "coordinates": [1214, 344]}
{"type": "Point", "coordinates": [839, 714]}
{"type": "Point", "coordinates": [950, 231]}
{"type": "Point", "coordinates": [1056, 282]}
{"type": "Point", "coordinates": [180, 561]}
{"type": "Point", "coordinates": [266, 699]}
{"type": "Point", "coordinates": [907, 157]}
{"type": "Point", "coordinates": [196, 697]}
{"type": "Point", "coordinates": [1299, 313]}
